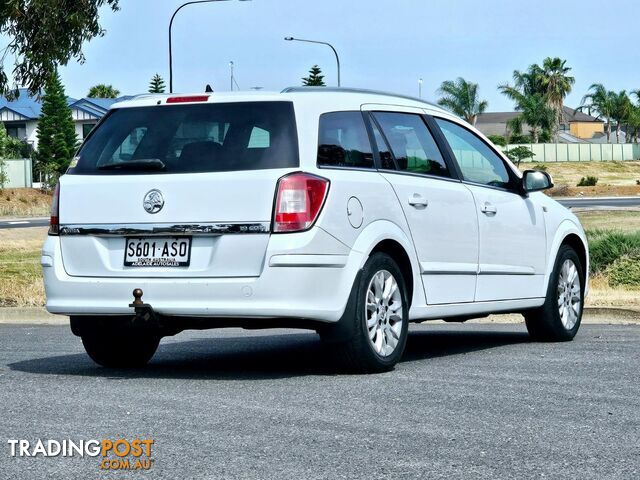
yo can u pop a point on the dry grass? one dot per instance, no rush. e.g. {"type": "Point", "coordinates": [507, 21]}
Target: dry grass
{"type": "Point", "coordinates": [603, 295]}
{"type": "Point", "coordinates": [24, 202]}
{"type": "Point", "coordinates": [21, 274]}
{"type": "Point", "coordinates": [20, 271]}
{"type": "Point", "coordinates": [623, 220]}
{"type": "Point", "coordinates": [614, 178]}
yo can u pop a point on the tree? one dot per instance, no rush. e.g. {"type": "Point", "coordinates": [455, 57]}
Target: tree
{"type": "Point", "coordinates": [549, 83]}
{"type": "Point", "coordinates": [600, 101]}
{"type": "Point", "coordinates": [8, 147]}
{"type": "Point", "coordinates": [498, 140]}
{"type": "Point", "coordinates": [633, 119]}
{"type": "Point", "coordinates": [11, 147]}
{"type": "Point", "coordinates": [43, 34]}
{"type": "Point", "coordinates": [556, 83]}
{"type": "Point", "coordinates": [103, 91]}
{"type": "Point", "coordinates": [621, 106]}
{"type": "Point", "coordinates": [157, 84]}
{"type": "Point", "coordinates": [534, 112]}
{"type": "Point", "coordinates": [518, 154]}
{"type": "Point", "coordinates": [56, 130]}
{"type": "Point", "coordinates": [315, 78]}
{"type": "Point", "coordinates": [461, 97]}
{"type": "Point", "coordinates": [633, 123]}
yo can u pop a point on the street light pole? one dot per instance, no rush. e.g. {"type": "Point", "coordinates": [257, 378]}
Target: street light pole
{"type": "Point", "coordinates": [231, 67]}
{"type": "Point", "coordinates": [420, 88]}
{"type": "Point", "coordinates": [170, 34]}
{"type": "Point", "coordinates": [291, 39]}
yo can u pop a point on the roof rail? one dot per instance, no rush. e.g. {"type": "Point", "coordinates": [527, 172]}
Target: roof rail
{"type": "Point", "coordinates": [357, 90]}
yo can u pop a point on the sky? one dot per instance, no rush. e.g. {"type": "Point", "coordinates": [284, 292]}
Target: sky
{"type": "Point", "coordinates": [383, 44]}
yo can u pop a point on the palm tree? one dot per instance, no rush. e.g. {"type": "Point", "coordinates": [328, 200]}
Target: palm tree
{"type": "Point", "coordinates": [461, 97]}
{"type": "Point", "coordinates": [600, 101]}
{"type": "Point", "coordinates": [534, 112]}
{"type": "Point", "coordinates": [633, 123]}
{"type": "Point", "coordinates": [551, 81]}
{"type": "Point", "coordinates": [633, 118]}
{"type": "Point", "coordinates": [621, 106]}
{"type": "Point", "coordinates": [556, 83]}
{"type": "Point", "coordinates": [103, 91]}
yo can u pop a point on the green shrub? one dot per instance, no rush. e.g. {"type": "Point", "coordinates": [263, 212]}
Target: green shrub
{"type": "Point", "coordinates": [4, 178]}
{"type": "Point", "coordinates": [517, 138]}
{"type": "Point", "coordinates": [605, 247]}
{"type": "Point", "coordinates": [498, 140]}
{"type": "Point", "coordinates": [518, 154]}
{"type": "Point", "coordinates": [588, 181]}
{"type": "Point", "coordinates": [540, 166]}
{"type": "Point", "coordinates": [625, 271]}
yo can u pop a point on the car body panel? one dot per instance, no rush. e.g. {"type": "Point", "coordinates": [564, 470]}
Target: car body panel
{"type": "Point", "coordinates": [461, 264]}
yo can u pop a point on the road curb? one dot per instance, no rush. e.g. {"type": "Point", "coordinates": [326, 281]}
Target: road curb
{"type": "Point", "coordinates": [31, 316]}
{"type": "Point", "coordinates": [592, 315]}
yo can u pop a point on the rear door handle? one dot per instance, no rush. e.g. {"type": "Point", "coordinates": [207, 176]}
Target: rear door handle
{"type": "Point", "coordinates": [417, 200]}
{"type": "Point", "coordinates": [488, 209]}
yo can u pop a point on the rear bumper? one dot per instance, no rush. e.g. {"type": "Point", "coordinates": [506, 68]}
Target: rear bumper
{"type": "Point", "coordinates": [292, 285]}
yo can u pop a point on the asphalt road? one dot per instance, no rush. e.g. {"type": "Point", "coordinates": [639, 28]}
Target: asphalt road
{"type": "Point", "coordinates": [468, 401]}
{"type": "Point", "coordinates": [593, 202]}
{"type": "Point", "coordinates": [24, 223]}
{"type": "Point", "coordinates": [599, 202]}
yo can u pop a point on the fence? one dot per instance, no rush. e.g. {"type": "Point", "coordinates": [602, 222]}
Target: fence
{"type": "Point", "coordinates": [581, 152]}
{"type": "Point", "coordinates": [19, 173]}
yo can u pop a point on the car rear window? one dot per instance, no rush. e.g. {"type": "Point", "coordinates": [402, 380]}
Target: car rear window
{"type": "Point", "coordinates": [212, 137]}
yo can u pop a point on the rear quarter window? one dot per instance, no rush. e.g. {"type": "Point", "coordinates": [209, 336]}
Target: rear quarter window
{"type": "Point", "coordinates": [343, 141]}
{"type": "Point", "coordinates": [211, 137]}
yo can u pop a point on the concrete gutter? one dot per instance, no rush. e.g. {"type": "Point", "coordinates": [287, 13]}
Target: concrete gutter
{"type": "Point", "coordinates": [592, 315]}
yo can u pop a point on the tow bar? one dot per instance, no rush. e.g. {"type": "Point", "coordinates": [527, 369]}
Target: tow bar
{"type": "Point", "coordinates": [144, 312]}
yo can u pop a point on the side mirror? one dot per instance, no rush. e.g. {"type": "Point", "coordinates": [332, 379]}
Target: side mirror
{"type": "Point", "coordinates": [536, 180]}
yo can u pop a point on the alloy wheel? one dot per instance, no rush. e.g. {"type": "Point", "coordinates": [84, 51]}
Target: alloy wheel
{"type": "Point", "coordinates": [383, 312]}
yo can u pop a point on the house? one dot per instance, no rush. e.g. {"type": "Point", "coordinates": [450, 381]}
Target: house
{"type": "Point", "coordinates": [20, 116]}
{"type": "Point", "coordinates": [578, 127]}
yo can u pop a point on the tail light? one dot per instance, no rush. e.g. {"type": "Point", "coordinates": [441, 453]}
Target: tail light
{"type": "Point", "coordinates": [54, 221]}
{"type": "Point", "coordinates": [299, 199]}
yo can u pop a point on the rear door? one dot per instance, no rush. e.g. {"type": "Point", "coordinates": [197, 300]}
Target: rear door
{"type": "Point", "coordinates": [151, 175]}
{"type": "Point", "coordinates": [512, 256]}
{"type": "Point", "coordinates": [440, 211]}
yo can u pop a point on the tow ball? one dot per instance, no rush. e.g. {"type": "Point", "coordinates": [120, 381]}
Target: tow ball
{"type": "Point", "coordinates": [144, 312]}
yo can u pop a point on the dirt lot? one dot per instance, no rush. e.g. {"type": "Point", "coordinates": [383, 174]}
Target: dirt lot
{"type": "Point", "coordinates": [614, 178]}
{"type": "Point", "coordinates": [24, 202]}
{"type": "Point", "coordinates": [623, 220]}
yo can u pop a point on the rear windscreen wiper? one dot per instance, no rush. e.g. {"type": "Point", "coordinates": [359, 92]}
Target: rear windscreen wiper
{"type": "Point", "coordinates": [140, 164]}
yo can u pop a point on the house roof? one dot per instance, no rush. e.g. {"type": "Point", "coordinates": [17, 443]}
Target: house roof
{"type": "Point", "coordinates": [496, 117]}
{"type": "Point", "coordinates": [570, 114]}
{"type": "Point", "coordinates": [30, 107]}
{"type": "Point", "coordinates": [577, 116]}
{"type": "Point", "coordinates": [23, 105]}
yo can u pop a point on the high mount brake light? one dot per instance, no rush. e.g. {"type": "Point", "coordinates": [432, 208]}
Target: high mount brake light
{"type": "Point", "coordinates": [188, 98]}
{"type": "Point", "coordinates": [299, 199]}
{"type": "Point", "coordinates": [54, 220]}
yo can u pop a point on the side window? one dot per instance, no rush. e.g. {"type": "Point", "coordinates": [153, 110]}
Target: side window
{"type": "Point", "coordinates": [343, 141]}
{"type": "Point", "coordinates": [386, 159]}
{"type": "Point", "coordinates": [412, 145]}
{"type": "Point", "coordinates": [260, 138]}
{"type": "Point", "coordinates": [478, 163]}
{"type": "Point", "coordinates": [128, 147]}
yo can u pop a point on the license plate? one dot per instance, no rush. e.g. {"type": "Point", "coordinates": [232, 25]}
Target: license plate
{"type": "Point", "coordinates": [157, 252]}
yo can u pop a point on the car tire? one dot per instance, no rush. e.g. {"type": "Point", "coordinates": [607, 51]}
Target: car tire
{"type": "Point", "coordinates": [559, 318]}
{"type": "Point", "coordinates": [121, 349]}
{"type": "Point", "coordinates": [379, 311]}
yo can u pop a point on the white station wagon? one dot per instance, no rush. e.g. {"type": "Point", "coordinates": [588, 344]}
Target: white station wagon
{"type": "Point", "coordinates": [345, 211]}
